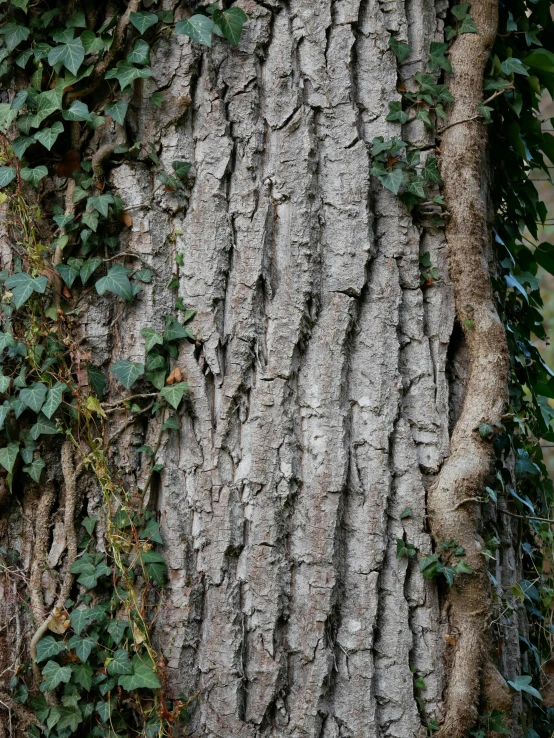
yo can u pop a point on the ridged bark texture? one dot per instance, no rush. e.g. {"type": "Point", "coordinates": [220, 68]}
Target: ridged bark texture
{"type": "Point", "coordinates": [319, 398]}
{"type": "Point", "coordinates": [319, 403]}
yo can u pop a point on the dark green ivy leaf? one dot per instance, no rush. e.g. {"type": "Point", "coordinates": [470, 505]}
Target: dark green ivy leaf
{"type": "Point", "coordinates": [437, 58]}
{"type": "Point", "coordinates": [127, 372]}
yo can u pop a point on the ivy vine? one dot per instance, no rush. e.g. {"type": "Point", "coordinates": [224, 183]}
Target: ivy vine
{"type": "Point", "coordinates": [520, 71]}
{"type": "Point", "coordinates": [94, 669]}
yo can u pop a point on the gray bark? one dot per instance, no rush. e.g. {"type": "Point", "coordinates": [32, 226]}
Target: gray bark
{"type": "Point", "coordinates": [319, 402]}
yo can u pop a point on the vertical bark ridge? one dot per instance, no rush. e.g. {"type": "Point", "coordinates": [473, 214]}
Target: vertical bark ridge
{"type": "Point", "coordinates": [314, 387]}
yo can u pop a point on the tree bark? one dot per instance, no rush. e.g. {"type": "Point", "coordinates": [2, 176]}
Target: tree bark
{"type": "Point", "coordinates": [320, 407]}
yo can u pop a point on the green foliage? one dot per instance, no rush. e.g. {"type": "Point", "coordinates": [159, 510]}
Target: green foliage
{"type": "Point", "coordinates": [521, 67]}
{"type": "Point", "coordinates": [103, 663]}
{"type": "Point", "coordinates": [226, 23]}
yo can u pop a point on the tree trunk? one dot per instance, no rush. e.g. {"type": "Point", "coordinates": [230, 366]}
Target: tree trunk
{"type": "Point", "coordinates": [325, 380]}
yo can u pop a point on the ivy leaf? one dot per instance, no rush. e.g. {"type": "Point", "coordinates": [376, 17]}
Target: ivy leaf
{"type": "Point", "coordinates": [116, 629]}
{"type": "Point", "coordinates": [127, 372]}
{"type": "Point", "coordinates": [7, 116]}
{"type": "Point", "coordinates": [511, 65]}
{"type": "Point", "coordinates": [82, 646]}
{"type": "Point", "coordinates": [78, 111]}
{"type": "Point", "coordinates": [48, 647]}
{"type": "Point", "coordinates": [8, 455]}
{"type": "Point", "coordinates": [143, 20]}
{"type": "Point", "coordinates": [23, 285]}
{"type": "Point", "coordinates": [33, 397]}
{"type": "Point", "coordinates": [80, 619]}
{"type": "Point", "coordinates": [97, 380]}
{"type": "Point", "coordinates": [424, 116]}
{"type": "Point", "coordinates": [173, 394]}
{"type": "Point", "coordinates": [437, 58]}
{"type": "Point", "coordinates": [468, 25]}
{"type": "Point", "coordinates": [430, 172]}
{"type": "Point", "coordinates": [392, 180]}
{"type": "Point", "coordinates": [67, 717]}
{"type": "Point", "coordinates": [104, 710]}
{"type": "Point", "coordinates": [43, 426]}
{"type": "Point", "coordinates": [21, 694]}
{"type": "Point", "coordinates": [540, 59]}
{"type": "Point", "coordinates": [34, 469]}
{"type": "Point", "coordinates": [34, 175]}
{"type": "Point", "coordinates": [7, 174]}
{"type": "Point", "coordinates": [142, 677]}
{"type": "Point", "coordinates": [126, 73]}
{"type": "Point", "coordinates": [71, 55]}
{"type": "Point", "coordinates": [230, 22]}
{"type": "Point", "coordinates": [21, 4]}
{"type": "Point", "coordinates": [27, 453]}
{"type": "Point", "coordinates": [463, 568]}
{"type": "Point", "coordinates": [82, 675]}
{"type": "Point", "coordinates": [54, 675]}
{"type": "Point", "coordinates": [116, 281]}
{"type": "Point", "coordinates": [14, 35]}
{"type": "Point", "coordinates": [416, 187]}
{"type": "Point", "coordinates": [48, 103]}
{"type": "Point", "coordinates": [68, 273]}
{"type": "Point", "coordinates": [4, 383]}
{"type": "Point", "coordinates": [151, 338]}
{"type": "Point", "coordinates": [181, 169]}
{"type": "Point", "coordinates": [144, 275]}
{"type": "Point", "coordinates": [4, 410]}
{"type": "Point", "coordinates": [47, 136]}
{"type": "Point", "coordinates": [101, 203]}
{"type": "Point", "coordinates": [89, 523]}
{"type": "Point", "coordinates": [90, 219]}
{"type": "Point", "coordinates": [396, 112]}
{"type": "Point", "coordinates": [140, 53]}
{"type": "Point", "coordinates": [63, 220]}
{"type": "Point", "coordinates": [118, 111]}
{"type": "Point", "coordinates": [428, 565]}
{"type": "Point", "coordinates": [41, 706]}
{"type": "Point", "coordinates": [89, 267]}
{"type": "Point", "coordinates": [400, 48]}
{"type": "Point", "coordinates": [155, 566]}
{"type": "Point", "coordinates": [175, 331]}
{"type": "Point", "coordinates": [460, 11]}
{"type": "Point", "coordinates": [53, 399]}
{"type": "Point", "coordinates": [107, 686]}
{"type": "Point", "coordinates": [120, 663]}
{"type": "Point", "coordinates": [523, 684]}
{"type": "Point", "coordinates": [92, 43]}
{"type": "Point", "coordinates": [77, 20]}
{"type": "Point", "coordinates": [151, 531]}
{"type": "Point", "coordinates": [157, 98]}
{"type": "Point", "coordinates": [199, 28]}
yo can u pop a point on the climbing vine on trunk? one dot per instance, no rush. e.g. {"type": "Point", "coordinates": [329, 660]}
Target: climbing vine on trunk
{"type": "Point", "coordinates": [490, 77]}
{"type": "Point", "coordinates": [94, 666]}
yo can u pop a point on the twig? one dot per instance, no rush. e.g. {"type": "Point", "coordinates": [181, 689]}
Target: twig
{"type": "Point", "coordinates": [463, 502]}
{"type": "Point", "coordinates": [101, 66]}
{"type": "Point", "coordinates": [526, 517]}
{"type": "Point", "coordinates": [127, 399]}
{"type": "Point", "coordinates": [497, 94]}
{"type": "Point", "coordinates": [70, 474]}
{"type": "Point", "coordinates": [25, 716]}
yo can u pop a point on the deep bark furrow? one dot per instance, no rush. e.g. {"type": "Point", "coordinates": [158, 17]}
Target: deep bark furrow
{"type": "Point", "coordinates": [318, 404]}
{"type": "Point", "coordinates": [302, 475]}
